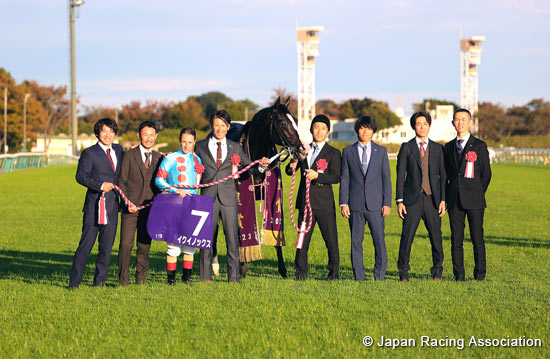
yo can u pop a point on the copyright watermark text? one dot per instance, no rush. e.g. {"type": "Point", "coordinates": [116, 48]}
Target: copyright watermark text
{"type": "Point", "coordinates": [458, 343]}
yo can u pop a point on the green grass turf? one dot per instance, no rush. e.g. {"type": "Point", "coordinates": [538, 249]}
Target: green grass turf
{"type": "Point", "coordinates": [265, 316]}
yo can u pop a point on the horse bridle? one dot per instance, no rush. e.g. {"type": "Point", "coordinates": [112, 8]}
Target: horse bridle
{"type": "Point", "coordinates": [285, 142]}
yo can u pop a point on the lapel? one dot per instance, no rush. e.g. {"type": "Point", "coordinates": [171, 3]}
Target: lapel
{"type": "Point", "coordinates": [373, 155]}
{"type": "Point", "coordinates": [431, 151]}
{"type": "Point", "coordinates": [454, 154]}
{"type": "Point", "coordinates": [136, 153]}
{"type": "Point", "coordinates": [205, 148]}
{"type": "Point", "coordinates": [103, 154]}
{"type": "Point", "coordinates": [156, 157]}
{"type": "Point", "coordinates": [355, 155]}
{"type": "Point", "coordinates": [416, 151]}
{"type": "Point", "coordinates": [231, 150]}
{"type": "Point", "coordinates": [467, 147]}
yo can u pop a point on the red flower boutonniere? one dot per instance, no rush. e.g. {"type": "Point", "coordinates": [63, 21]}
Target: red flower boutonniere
{"type": "Point", "coordinates": [199, 169]}
{"type": "Point", "coordinates": [235, 160]}
{"type": "Point", "coordinates": [322, 165]}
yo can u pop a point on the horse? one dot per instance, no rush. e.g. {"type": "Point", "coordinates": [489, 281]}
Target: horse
{"type": "Point", "coordinates": [270, 126]}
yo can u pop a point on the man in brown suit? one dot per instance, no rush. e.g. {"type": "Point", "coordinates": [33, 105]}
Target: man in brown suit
{"type": "Point", "coordinates": [139, 167]}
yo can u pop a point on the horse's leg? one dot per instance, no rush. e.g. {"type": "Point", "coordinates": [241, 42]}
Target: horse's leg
{"type": "Point", "coordinates": [281, 261]}
{"type": "Point", "coordinates": [244, 269]}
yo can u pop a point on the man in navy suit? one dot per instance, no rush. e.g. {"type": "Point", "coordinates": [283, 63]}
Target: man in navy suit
{"type": "Point", "coordinates": [365, 196]}
{"type": "Point", "coordinates": [420, 193]}
{"type": "Point", "coordinates": [98, 171]}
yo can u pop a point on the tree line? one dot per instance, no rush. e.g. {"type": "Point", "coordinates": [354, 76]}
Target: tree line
{"type": "Point", "coordinates": [47, 113]}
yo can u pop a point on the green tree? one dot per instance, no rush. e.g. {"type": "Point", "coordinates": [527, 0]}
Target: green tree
{"type": "Point", "coordinates": [431, 103]}
{"type": "Point", "coordinates": [211, 101]}
{"type": "Point", "coordinates": [377, 109]}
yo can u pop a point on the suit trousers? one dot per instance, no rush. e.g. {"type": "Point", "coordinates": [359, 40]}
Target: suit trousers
{"type": "Point", "coordinates": [106, 238]}
{"type": "Point", "coordinates": [457, 219]}
{"type": "Point", "coordinates": [228, 215]}
{"type": "Point", "coordinates": [129, 223]}
{"type": "Point", "coordinates": [357, 222]}
{"type": "Point", "coordinates": [327, 224]}
{"type": "Point", "coordinates": [423, 209]}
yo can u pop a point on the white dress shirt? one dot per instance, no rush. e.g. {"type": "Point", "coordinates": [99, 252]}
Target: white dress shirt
{"type": "Point", "coordinates": [143, 151]}
{"type": "Point", "coordinates": [213, 147]}
{"type": "Point", "coordinates": [311, 149]}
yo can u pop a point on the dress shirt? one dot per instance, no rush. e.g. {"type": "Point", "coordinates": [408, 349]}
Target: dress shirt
{"type": "Point", "coordinates": [311, 149]}
{"type": "Point", "coordinates": [213, 147]}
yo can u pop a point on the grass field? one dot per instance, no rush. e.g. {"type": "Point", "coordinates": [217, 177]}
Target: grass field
{"type": "Point", "coordinates": [265, 316]}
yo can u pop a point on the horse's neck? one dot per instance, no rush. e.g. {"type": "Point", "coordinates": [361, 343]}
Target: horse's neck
{"type": "Point", "coordinates": [259, 143]}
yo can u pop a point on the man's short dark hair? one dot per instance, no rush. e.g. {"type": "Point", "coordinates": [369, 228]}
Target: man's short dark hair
{"type": "Point", "coordinates": [105, 122]}
{"type": "Point", "coordinates": [147, 124]}
{"type": "Point", "coordinates": [462, 110]}
{"type": "Point", "coordinates": [189, 131]}
{"type": "Point", "coordinates": [221, 114]}
{"type": "Point", "coordinates": [420, 114]}
{"type": "Point", "coordinates": [365, 121]}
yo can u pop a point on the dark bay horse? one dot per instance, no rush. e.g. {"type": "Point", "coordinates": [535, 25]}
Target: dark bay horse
{"type": "Point", "coordinates": [271, 126]}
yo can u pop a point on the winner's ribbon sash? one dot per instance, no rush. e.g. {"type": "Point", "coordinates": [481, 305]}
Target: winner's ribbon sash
{"type": "Point", "coordinates": [183, 221]}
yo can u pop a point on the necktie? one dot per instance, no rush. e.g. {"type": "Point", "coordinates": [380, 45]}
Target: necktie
{"type": "Point", "coordinates": [422, 150]}
{"type": "Point", "coordinates": [459, 147]}
{"type": "Point", "coordinates": [314, 155]}
{"type": "Point", "coordinates": [219, 155]}
{"type": "Point", "coordinates": [110, 159]}
{"type": "Point", "coordinates": [147, 159]}
{"type": "Point", "coordinates": [364, 161]}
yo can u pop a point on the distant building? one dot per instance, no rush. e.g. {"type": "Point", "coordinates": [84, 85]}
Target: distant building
{"type": "Point", "coordinates": [441, 130]}
{"type": "Point", "coordinates": [62, 144]}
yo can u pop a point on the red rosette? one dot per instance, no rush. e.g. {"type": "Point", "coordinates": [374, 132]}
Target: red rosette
{"type": "Point", "coordinates": [199, 168]}
{"type": "Point", "coordinates": [471, 156]}
{"type": "Point", "coordinates": [235, 159]}
{"type": "Point", "coordinates": [321, 165]}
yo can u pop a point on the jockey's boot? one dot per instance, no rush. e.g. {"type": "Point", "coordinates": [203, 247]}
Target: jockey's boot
{"type": "Point", "coordinates": [186, 277]}
{"type": "Point", "coordinates": [171, 274]}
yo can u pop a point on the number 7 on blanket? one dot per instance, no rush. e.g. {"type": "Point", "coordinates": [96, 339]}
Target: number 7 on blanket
{"type": "Point", "coordinates": [183, 221]}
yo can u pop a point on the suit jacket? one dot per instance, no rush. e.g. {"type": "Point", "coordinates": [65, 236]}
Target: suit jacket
{"type": "Point", "coordinates": [372, 190]}
{"type": "Point", "coordinates": [320, 193]}
{"type": "Point", "coordinates": [471, 191]}
{"type": "Point", "coordinates": [136, 181]}
{"type": "Point", "coordinates": [409, 172]}
{"type": "Point", "coordinates": [226, 191]}
{"type": "Point", "coordinates": [93, 169]}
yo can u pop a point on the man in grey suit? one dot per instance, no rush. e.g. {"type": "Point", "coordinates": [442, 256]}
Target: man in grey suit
{"type": "Point", "coordinates": [365, 196]}
{"type": "Point", "coordinates": [215, 152]}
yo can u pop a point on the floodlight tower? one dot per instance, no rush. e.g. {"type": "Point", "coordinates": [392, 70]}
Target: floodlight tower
{"type": "Point", "coordinates": [308, 49]}
{"type": "Point", "coordinates": [470, 58]}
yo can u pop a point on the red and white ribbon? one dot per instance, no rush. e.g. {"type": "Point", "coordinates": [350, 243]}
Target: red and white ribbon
{"type": "Point", "coordinates": [471, 157]}
{"type": "Point", "coordinates": [307, 211]}
{"type": "Point", "coordinates": [102, 211]}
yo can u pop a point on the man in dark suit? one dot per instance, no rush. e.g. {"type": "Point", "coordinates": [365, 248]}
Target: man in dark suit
{"type": "Point", "coordinates": [98, 170]}
{"type": "Point", "coordinates": [137, 175]}
{"type": "Point", "coordinates": [420, 193]}
{"type": "Point", "coordinates": [468, 176]}
{"type": "Point", "coordinates": [320, 195]}
{"type": "Point", "coordinates": [365, 196]}
{"type": "Point", "coordinates": [215, 152]}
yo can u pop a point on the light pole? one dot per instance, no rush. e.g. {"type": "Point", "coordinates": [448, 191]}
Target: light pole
{"type": "Point", "coordinates": [24, 146]}
{"type": "Point", "coordinates": [74, 119]}
{"type": "Point", "coordinates": [5, 119]}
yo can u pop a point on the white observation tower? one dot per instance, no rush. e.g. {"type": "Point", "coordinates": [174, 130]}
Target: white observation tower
{"type": "Point", "coordinates": [470, 58]}
{"type": "Point", "coordinates": [308, 49]}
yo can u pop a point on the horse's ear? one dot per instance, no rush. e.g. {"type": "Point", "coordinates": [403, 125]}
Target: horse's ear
{"type": "Point", "coordinates": [287, 102]}
{"type": "Point", "coordinates": [278, 102]}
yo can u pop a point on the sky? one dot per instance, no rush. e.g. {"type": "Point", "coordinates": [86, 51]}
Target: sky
{"type": "Point", "coordinates": [397, 51]}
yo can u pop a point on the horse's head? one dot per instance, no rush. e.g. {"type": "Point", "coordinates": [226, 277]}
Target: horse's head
{"type": "Point", "coordinates": [284, 130]}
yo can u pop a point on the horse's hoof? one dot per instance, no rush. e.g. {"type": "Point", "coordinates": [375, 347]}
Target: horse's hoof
{"type": "Point", "coordinates": [244, 269]}
{"type": "Point", "coordinates": [282, 272]}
